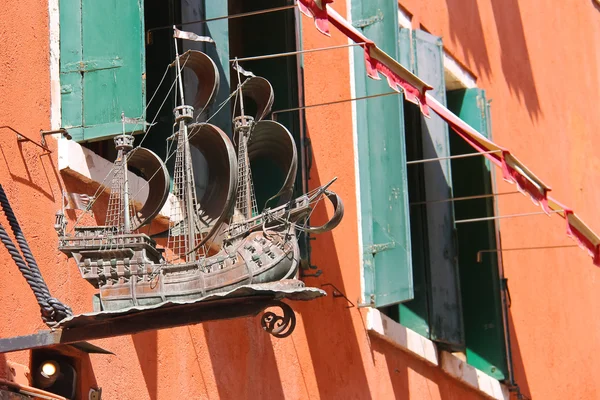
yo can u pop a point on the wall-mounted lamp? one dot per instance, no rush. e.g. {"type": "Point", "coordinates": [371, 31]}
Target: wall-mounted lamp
{"type": "Point", "coordinates": [47, 374]}
{"type": "Point", "coordinates": [55, 374]}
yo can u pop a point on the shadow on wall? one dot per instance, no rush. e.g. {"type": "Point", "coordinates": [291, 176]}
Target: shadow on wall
{"type": "Point", "coordinates": [244, 358]}
{"type": "Point", "coordinates": [88, 379]}
{"type": "Point", "coordinates": [2, 366]}
{"type": "Point", "coordinates": [404, 368]}
{"type": "Point", "coordinates": [467, 29]}
{"type": "Point", "coordinates": [515, 55]}
{"type": "Point", "coordinates": [146, 347]}
{"type": "Point", "coordinates": [28, 180]}
{"type": "Point", "coordinates": [520, 376]}
{"type": "Point", "coordinates": [333, 344]}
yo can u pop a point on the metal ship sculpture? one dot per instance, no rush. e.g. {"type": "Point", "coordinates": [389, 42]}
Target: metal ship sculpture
{"type": "Point", "coordinates": [217, 239]}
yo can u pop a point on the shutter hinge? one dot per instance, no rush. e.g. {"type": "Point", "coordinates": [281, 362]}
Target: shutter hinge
{"type": "Point", "coordinates": [93, 65]}
{"type": "Point", "coordinates": [66, 89]}
{"type": "Point", "coordinates": [362, 23]}
{"type": "Point", "coordinates": [376, 248]}
{"type": "Point", "coordinates": [371, 302]}
{"type": "Point", "coordinates": [481, 104]}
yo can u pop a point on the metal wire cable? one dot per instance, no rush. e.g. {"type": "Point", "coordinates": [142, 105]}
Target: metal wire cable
{"type": "Point", "coordinates": [53, 311]}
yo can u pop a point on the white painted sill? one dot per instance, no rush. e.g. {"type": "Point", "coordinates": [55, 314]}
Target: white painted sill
{"type": "Point", "coordinates": [88, 167]}
{"type": "Point", "coordinates": [382, 326]}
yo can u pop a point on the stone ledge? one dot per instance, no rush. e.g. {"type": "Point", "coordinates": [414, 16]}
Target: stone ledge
{"type": "Point", "coordinates": [402, 337]}
{"type": "Point", "coordinates": [405, 339]}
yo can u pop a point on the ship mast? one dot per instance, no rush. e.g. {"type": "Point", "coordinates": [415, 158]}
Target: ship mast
{"type": "Point", "coordinates": [184, 179]}
{"type": "Point", "coordinates": [245, 206]}
{"type": "Point", "coordinates": [118, 215]}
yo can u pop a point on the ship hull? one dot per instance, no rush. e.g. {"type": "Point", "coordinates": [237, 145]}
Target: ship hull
{"type": "Point", "coordinates": [260, 257]}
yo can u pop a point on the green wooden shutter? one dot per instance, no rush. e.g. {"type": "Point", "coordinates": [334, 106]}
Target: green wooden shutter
{"type": "Point", "coordinates": [444, 307]}
{"type": "Point", "coordinates": [70, 57]}
{"type": "Point", "coordinates": [480, 284]}
{"type": "Point", "coordinates": [102, 66]}
{"type": "Point", "coordinates": [382, 166]}
{"type": "Point", "coordinates": [435, 311]}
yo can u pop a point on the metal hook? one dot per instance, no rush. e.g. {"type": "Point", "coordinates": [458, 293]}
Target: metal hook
{"type": "Point", "coordinates": [338, 293]}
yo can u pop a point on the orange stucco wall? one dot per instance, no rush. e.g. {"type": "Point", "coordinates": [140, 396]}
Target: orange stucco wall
{"type": "Point", "coordinates": [539, 65]}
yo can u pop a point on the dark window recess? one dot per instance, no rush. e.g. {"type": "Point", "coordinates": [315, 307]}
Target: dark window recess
{"type": "Point", "coordinates": [480, 287]}
{"type": "Point", "coordinates": [243, 37]}
{"type": "Point", "coordinates": [435, 310]}
{"type": "Point", "coordinates": [269, 33]}
{"type": "Point", "coordinates": [457, 301]}
{"type": "Point", "coordinates": [263, 34]}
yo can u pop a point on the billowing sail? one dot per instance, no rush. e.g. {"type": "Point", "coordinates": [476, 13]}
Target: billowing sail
{"type": "Point", "coordinates": [154, 170]}
{"type": "Point", "coordinates": [271, 140]}
{"type": "Point", "coordinates": [208, 77]}
{"type": "Point", "coordinates": [258, 98]}
{"type": "Point", "coordinates": [216, 203]}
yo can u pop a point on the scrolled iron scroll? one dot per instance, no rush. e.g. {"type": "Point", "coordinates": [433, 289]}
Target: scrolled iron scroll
{"type": "Point", "coordinates": [280, 326]}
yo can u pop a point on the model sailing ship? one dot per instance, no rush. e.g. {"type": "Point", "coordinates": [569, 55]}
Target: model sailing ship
{"type": "Point", "coordinates": [217, 239]}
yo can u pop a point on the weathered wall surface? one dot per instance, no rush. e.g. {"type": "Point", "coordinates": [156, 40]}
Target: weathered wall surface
{"type": "Point", "coordinates": [539, 64]}
{"type": "Point", "coordinates": [328, 356]}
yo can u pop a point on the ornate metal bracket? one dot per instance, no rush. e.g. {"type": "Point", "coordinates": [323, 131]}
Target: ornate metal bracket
{"type": "Point", "coordinates": [276, 325]}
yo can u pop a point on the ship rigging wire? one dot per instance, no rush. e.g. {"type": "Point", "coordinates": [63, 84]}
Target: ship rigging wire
{"type": "Point", "coordinates": [170, 153]}
{"type": "Point", "coordinates": [102, 188]}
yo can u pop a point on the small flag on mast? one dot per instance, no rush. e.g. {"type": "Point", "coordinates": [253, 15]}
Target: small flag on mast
{"type": "Point", "coordinates": [241, 70]}
{"type": "Point", "coordinates": [137, 121]}
{"type": "Point", "coordinates": [77, 201]}
{"type": "Point", "coordinates": [191, 36]}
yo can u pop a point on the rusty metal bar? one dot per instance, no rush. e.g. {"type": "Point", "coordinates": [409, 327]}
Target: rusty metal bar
{"type": "Point", "coordinates": [293, 53]}
{"type": "Point", "coordinates": [481, 196]}
{"type": "Point", "coordinates": [333, 102]}
{"type": "Point", "coordinates": [452, 157]}
{"type": "Point", "coordinates": [481, 252]}
{"type": "Point", "coordinates": [463, 221]}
